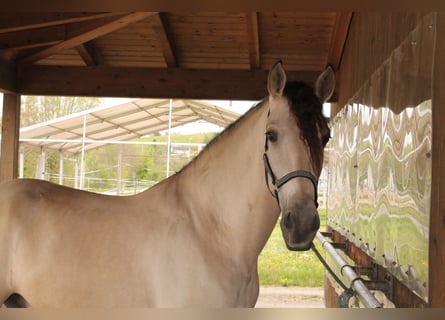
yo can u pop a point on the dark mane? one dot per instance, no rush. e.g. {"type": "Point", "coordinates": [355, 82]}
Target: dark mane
{"type": "Point", "coordinates": [307, 108]}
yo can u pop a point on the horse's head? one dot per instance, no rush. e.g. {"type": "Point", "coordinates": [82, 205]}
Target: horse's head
{"type": "Point", "coordinates": [296, 134]}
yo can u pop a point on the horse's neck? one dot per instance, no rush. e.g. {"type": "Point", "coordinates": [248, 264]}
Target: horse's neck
{"type": "Point", "coordinates": [226, 191]}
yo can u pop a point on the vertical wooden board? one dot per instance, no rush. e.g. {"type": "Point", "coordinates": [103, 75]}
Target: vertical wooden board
{"type": "Point", "coordinates": [371, 39]}
{"type": "Point", "coordinates": [437, 219]}
{"type": "Point", "coordinates": [330, 295]}
{"type": "Point", "coordinates": [10, 137]}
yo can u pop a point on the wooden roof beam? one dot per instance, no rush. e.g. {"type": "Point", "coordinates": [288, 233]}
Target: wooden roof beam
{"type": "Point", "coordinates": [88, 54]}
{"type": "Point", "coordinates": [253, 39]}
{"type": "Point", "coordinates": [339, 35]}
{"type": "Point", "coordinates": [160, 26]}
{"type": "Point", "coordinates": [78, 34]}
{"type": "Point", "coordinates": [11, 22]}
{"type": "Point", "coordinates": [149, 82]}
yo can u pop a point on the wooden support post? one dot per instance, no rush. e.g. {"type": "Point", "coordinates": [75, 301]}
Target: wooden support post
{"type": "Point", "coordinates": [61, 168]}
{"type": "Point", "coordinates": [437, 218]}
{"type": "Point", "coordinates": [119, 171]}
{"type": "Point", "coordinates": [10, 137]}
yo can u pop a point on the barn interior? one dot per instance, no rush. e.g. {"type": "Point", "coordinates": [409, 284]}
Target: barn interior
{"type": "Point", "coordinates": [227, 55]}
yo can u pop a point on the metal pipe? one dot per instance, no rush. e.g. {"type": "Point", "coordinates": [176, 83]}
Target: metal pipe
{"type": "Point", "coordinates": [21, 162]}
{"type": "Point", "coordinates": [60, 168]}
{"type": "Point", "coordinates": [356, 283]}
{"type": "Point", "coordinates": [82, 157]}
{"type": "Point", "coordinates": [91, 141]}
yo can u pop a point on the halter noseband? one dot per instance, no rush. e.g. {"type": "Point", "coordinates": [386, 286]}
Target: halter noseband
{"type": "Point", "coordinates": [278, 183]}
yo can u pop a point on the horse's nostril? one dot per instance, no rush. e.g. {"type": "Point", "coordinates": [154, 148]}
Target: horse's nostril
{"type": "Point", "coordinates": [287, 221]}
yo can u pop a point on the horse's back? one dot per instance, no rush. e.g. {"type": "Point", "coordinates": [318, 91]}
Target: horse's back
{"type": "Point", "coordinates": [54, 237]}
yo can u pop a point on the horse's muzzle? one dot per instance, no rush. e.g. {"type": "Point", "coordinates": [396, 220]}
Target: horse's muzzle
{"type": "Point", "coordinates": [299, 228]}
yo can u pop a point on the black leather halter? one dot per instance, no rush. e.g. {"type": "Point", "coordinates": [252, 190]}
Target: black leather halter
{"type": "Point", "coordinates": [278, 183]}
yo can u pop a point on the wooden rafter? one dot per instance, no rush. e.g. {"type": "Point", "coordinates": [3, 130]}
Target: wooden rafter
{"type": "Point", "coordinates": [28, 39]}
{"type": "Point", "coordinates": [253, 39]}
{"type": "Point", "coordinates": [88, 54]}
{"type": "Point", "coordinates": [160, 26]}
{"type": "Point", "coordinates": [28, 21]}
{"type": "Point", "coordinates": [339, 35]}
{"type": "Point", "coordinates": [78, 34]}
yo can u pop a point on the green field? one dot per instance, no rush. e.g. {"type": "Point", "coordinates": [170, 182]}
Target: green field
{"type": "Point", "coordinates": [277, 266]}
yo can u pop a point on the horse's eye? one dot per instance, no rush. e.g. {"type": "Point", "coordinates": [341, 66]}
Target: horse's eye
{"type": "Point", "coordinates": [271, 135]}
{"type": "Point", "coordinates": [325, 140]}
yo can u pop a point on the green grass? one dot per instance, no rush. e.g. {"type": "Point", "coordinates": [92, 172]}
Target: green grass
{"type": "Point", "coordinates": [278, 266]}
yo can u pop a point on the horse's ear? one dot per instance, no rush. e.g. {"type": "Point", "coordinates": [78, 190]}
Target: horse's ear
{"type": "Point", "coordinates": [325, 84]}
{"type": "Point", "coordinates": [276, 80]}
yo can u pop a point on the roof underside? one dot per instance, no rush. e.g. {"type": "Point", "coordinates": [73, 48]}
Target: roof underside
{"type": "Point", "coordinates": [200, 55]}
{"type": "Point", "coordinates": [121, 123]}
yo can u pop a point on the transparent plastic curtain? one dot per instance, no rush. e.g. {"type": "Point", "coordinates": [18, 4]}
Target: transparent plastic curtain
{"type": "Point", "coordinates": [380, 162]}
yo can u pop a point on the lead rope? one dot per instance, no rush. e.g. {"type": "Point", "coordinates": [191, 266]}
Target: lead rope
{"type": "Point", "coordinates": [347, 293]}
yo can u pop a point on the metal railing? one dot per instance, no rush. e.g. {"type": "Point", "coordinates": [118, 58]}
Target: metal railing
{"type": "Point", "coordinates": [355, 281]}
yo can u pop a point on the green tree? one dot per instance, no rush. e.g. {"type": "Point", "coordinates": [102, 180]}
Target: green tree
{"type": "Point", "coordinates": [36, 109]}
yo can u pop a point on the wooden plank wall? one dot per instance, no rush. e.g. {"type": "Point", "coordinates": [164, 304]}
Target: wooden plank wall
{"type": "Point", "coordinates": [372, 37]}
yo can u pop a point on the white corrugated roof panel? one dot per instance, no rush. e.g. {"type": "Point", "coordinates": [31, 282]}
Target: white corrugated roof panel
{"type": "Point", "coordinates": [120, 123]}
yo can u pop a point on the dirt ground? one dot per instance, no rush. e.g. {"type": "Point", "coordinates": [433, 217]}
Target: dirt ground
{"type": "Point", "coordinates": [290, 297]}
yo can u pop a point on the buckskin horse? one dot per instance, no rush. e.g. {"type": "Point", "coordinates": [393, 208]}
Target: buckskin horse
{"type": "Point", "coordinates": [191, 240]}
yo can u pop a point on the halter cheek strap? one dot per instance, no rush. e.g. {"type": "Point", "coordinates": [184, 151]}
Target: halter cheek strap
{"type": "Point", "coordinates": [278, 183]}
{"type": "Point", "coordinates": [268, 172]}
